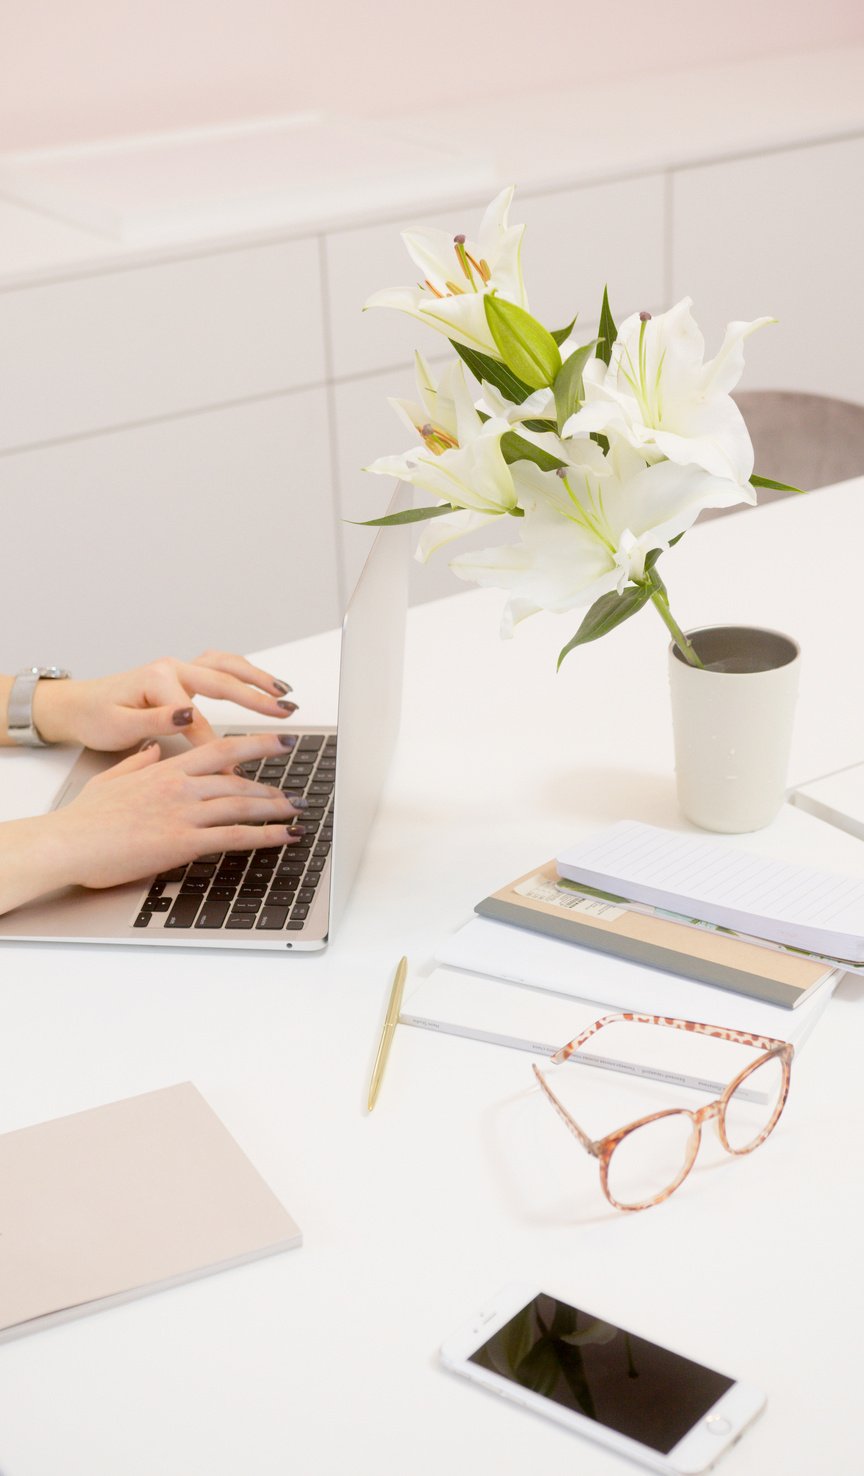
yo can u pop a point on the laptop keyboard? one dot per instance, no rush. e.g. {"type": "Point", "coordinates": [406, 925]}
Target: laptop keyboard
{"type": "Point", "coordinates": [271, 889]}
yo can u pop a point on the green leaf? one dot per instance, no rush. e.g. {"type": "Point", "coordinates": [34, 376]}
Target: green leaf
{"type": "Point", "coordinates": [524, 344]}
{"type": "Point", "coordinates": [482, 366]}
{"type": "Point", "coordinates": [410, 515]}
{"type": "Point", "coordinates": [568, 383]}
{"type": "Point", "coordinates": [607, 331]}
{"type": "Point", "coordinates": [541, 425]}
{"type": "Point", "coordinates": [600, 440]}
{"type": "Point", "coordinates": [515, 448]}
{"type": "Point", "coordinates": [561, 335]}
{"type": "Point", "coordinates": [774, 486]}
{"type": "Point", "coordinates": [610, 610]}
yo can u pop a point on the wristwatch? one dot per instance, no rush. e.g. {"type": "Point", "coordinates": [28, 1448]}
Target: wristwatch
{"type": "Point", "coordinates": [19, 718]}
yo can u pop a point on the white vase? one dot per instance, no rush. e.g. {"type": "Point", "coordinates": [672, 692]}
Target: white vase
{"type": "Point", "coordinates": [733, 725]}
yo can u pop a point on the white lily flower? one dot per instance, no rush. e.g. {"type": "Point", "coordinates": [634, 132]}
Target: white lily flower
{"type": "Point", "coordinates": [457, 273]}
{"type": "Point", "coordinates": [538, 406]}
{"type": "Point", "coordinates": [463, 467]}
{"type": "Point", "coordinates": [584, 535]}
{"type": "Point", "coordinates": [659, 395]}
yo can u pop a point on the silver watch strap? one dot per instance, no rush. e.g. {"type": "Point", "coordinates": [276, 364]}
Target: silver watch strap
{"type": "Point", "coordinates": [19, 715]}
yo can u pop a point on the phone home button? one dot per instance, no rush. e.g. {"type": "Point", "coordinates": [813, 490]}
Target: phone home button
{"type": "Point", "coordinates": [718, 1425]}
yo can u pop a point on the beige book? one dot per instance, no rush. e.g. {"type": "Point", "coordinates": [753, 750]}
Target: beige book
{"type": "Point", "coordinates": [122, 1200]}
{"type": "Point", "coordinates": [546, 903]}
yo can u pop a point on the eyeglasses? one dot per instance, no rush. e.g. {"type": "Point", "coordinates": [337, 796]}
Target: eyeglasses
{"type": "Point", "coordinates": [643, 1163]}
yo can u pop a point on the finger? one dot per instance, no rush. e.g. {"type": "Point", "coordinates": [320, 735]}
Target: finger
{"type": "Point", "coordinates": [148, 754]}
{"type": "Point", "coordinates": [230, 689]}
{"type": "Point", "coordinates": [244, 837]}
{"type": "Point", "coordinates": [239, 667]}
{"type": "Point", "coordinates": [224, 753]}
{"type": "Point", "coordinates": [178, 715]}
{"type": "Point", "coordinates": [224, 786]}
{"type": "Point", "coordinates": [232, 810]}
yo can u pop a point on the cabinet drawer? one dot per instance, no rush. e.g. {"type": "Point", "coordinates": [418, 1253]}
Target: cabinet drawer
{"type": "Point", "coordinates": [208, 530]}
{"type": "Point", "coordinates": [116, 348]}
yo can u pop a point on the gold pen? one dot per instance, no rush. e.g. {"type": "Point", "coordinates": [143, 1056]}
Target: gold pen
{"type": "Point", "coordinates": [390, 1022]}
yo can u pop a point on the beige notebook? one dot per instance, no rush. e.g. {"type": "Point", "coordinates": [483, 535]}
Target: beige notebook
{"type": "Point", "coordinates": [123, 1200]}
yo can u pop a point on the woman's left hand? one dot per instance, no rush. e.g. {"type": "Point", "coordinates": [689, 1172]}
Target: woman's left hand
{"type": "Point", "coordinates": [116, 712]}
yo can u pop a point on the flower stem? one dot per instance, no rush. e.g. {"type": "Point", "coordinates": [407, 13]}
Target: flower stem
{"type": "Point", "coordinates": [660, 600]}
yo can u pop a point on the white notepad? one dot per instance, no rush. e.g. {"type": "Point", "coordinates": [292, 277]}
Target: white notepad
{"type": "Point", "coordinates": [131, 1198]}
{"type": "Point", "coordinates": [797, 906]}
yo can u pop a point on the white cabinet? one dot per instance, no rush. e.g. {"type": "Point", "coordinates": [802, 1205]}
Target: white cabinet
{"type": "Point", "coordinates": [208, 530]}
{"type": "Point", "coordinates": [780, 234]}
{"type": "Point", "coordinates": [121, 347]}
{"type": "Point", "coordinates": [578, 241]}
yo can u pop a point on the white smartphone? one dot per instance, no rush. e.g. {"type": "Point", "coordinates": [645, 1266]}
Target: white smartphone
{"type": "Point", "coordinates": [599, 1380]}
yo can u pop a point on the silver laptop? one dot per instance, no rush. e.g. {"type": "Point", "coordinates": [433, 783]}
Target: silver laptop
{"type": "Point", "coordinates": [290, 898]}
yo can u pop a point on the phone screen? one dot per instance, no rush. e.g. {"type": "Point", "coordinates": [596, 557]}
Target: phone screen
{"type": "Point", "coordinates": [601, 1371]}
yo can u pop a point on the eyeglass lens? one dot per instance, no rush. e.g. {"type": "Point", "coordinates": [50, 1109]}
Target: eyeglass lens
{"type": "Point", "coordinates": [651, 1160]}
{"type": "Point", "coordinates": [753, 1108]}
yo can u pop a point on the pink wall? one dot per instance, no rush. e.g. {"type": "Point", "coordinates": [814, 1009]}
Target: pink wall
{"type": "Point", "coordinates": [73, 69]}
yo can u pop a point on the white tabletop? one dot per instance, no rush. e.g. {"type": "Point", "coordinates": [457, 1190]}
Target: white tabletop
{"type": "Point", "coordinates": [323, 1360]}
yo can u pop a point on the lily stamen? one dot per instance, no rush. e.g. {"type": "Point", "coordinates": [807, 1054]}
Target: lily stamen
{"type": "Point", "coordinates": [464, 260]}
{"type": "Point", "coordinates": [432, 289]}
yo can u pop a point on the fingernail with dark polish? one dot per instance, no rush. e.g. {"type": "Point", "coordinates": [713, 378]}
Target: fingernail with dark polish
{"type": "Point", "coordinates": [298, 801]}
{"type": "Point", "coordinates": [282, 687]}
{"type": "Point", "coordinates": [148, 743]}
{"type": "Point", "coordinates": [287, 706]}
{"type": "Point", "coordinates": [182, 717]}
{"type": "Point", "coordinates": [287, 740]}
{"type": "Point", "coordinates": [297, 830]}
{"type": "Point", "coordinates": [239, 772]}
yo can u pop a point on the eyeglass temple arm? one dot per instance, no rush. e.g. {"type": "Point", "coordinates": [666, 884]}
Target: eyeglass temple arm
{"type": "Point", "coordinates": [737, 1037]}
{"type": "Point", "coordinates": [587, 1143]}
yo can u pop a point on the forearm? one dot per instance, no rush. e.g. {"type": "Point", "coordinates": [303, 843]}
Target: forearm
{"type": "Point", "coordinates": [31, 860]}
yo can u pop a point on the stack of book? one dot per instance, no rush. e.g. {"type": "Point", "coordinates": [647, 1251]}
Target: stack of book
{"type": "Point", "coordinates": [638, 918]}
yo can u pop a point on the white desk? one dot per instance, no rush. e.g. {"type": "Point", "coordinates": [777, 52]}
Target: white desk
{"type": "Point", "coordinates": [323, 1361]}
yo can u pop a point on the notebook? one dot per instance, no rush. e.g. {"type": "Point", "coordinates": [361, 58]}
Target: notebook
{"type": "Point", "coordinates": [134, 1197]}
{"type": "Point", "coordinates": [502, 952]}
{"type": "Point", "coordinates": [546, 903]}
{"type": "Point", "coordinates": [798, 906]}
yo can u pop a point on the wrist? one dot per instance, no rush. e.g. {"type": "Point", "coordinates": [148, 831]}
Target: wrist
{"type": "Point", "coordinates": [33, 859]}
{"type": "Point", "coordinates": [53, 710]}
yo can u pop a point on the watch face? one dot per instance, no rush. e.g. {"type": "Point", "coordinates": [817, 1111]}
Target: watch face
{"type": "Point", "coordinates": [52, 672]}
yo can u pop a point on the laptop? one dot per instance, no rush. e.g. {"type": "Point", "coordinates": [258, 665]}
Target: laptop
{"type": "Point", "coordinates": [287, 898]}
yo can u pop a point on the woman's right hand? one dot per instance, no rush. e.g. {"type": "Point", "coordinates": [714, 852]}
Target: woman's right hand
{"type": "Point", "coordinates": [149, 814]}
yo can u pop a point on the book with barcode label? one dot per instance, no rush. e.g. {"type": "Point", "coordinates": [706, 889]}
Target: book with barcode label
{"type": "Point", "coordinates": [543, 902]}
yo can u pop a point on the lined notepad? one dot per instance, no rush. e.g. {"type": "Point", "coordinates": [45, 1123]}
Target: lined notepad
{"type": "Point", "coordinates": [796, 906]}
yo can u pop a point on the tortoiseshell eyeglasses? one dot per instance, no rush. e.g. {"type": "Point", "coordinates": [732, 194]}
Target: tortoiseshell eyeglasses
{"type": "Point", "coordinates": [643, 1163]}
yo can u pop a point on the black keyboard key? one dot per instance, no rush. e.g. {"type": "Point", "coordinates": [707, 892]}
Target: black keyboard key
{"type": "Point", "coordinates": [183, 913]}
{"type": "Point", "coordinates": [306, 894]}
{"type": "Point", "coordinates": [156, 890]}
{"type": "Point", "coordinates": [243, 920]}
{"type": "Point", "coordinates": [142, 920]}
{"type": "Point", "coordinates": [172, 876]}
{"type": "Point", "coordinates": [252, 890]}
{"type": "Point", "coordinates": [212, 914]}
{"type": "Point", "coordinates": [323, 850]}
{"type": "Point", "coordinates": [221, 894]}
{"type": "Point", "coordinates": [274, 780]}
{"type": "Point", "coordinates": [215, 856]}
{"type": "Point", "coordinates": [246, 904]}
{"type": "Point", "coordinates": [291, 868]}
{"type": "Point", "coordinates": [272, 918]}
{"type": "Point", "coordinates": [271, 853]}
{"type": "Point", "coordinates": [156, 904]}
{"type": "Point", "coordinates": [316, 864]}
{"type": "Point", "coordinates": [201, 868]}
{"type": "Point", "coordinates": [279, 898]}
{"type": "Point", "coordinates": [311, 740]}
{"type": "Point", "coordinates": [194, 884]}
{"type": "Point", "coordinates": [259, 874]}
{"type": "Point", "coordinates": [300, 911]}
{"type": "Point", "coordinates": [294, 927]}
{"type": "Point", "coordinates": [249, 769]}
